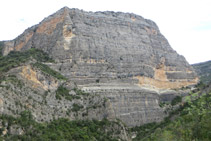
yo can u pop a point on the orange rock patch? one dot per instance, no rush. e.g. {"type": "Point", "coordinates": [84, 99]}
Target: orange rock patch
{"type": "Point", "coordinates": [68, 35]}
{"type": "Point", "coordinates": [161, 81]}
{"type": "Point", "coordinates": [66, 32]}
{"type": "Point", "coordinates": [150, 82]}
{"type": "Point", "coordinates": [49, 26]}
{"type": "Point", "coordinates": [20, 46]}
{"type": "Point", "coordinates": [151, 31]}
{"type": "Point", "coordinates": [133, 19]}
{"type": "Point", "coordinates": [160, 73]}
{"type": "Point", "coordinates": [31, 75]}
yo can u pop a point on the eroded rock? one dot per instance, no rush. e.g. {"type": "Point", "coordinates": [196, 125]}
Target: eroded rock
{"type": "Point", "coordinates": [120, 56]}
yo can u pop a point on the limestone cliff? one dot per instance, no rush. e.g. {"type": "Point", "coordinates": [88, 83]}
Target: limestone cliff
{"type": "Point", "coordinates": [121, 56]}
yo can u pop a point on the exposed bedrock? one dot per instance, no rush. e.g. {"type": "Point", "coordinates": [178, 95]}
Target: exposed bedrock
{"type": "Point", "coordinates": [95, 50]}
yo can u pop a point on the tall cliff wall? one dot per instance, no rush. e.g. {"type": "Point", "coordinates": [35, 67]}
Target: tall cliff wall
{"type": "Point", "coordinates": [119, 55]}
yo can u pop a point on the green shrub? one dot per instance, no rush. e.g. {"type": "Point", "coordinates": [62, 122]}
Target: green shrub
{"type": "Point", "coordinates": [80, 92]}
{"type": "Point", "coordinates": [176, 100]}
{"type": "Point", "coordinates": [61, 129]}
{"type": "Point", "coordinates": [62, 92]}
{"type": "Point", "coordinates": [15, 59]}
{"type": "Point", "coordinates": [76, 107]}
{"type": "Point", "coordinates": [46, 69]}
{"type": "Point", "coordinates": [12, 79]}
{"type": "Point", "coordinates": [191, 123]}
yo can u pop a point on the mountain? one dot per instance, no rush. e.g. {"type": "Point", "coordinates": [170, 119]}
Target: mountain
{"type": "Point", "coordinates": [82, 65]}
{"type": "Point", "coordinates": [113, 45]}
{"type": "Point", "coordinates": [204, 71]}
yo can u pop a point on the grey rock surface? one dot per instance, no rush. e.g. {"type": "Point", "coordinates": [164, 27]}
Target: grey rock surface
{"type": "Point", "coordinates": [108, 45]}
{"type": "Point", "coordinates": [133, 105]}
{"type": "Point", "coordinates": [119, 56]}
{"type": "Point", "coordinates": [23, 89]}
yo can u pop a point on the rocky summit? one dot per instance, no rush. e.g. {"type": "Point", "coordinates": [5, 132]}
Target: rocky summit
{"type": "Point", "coordinates": [115, 65]}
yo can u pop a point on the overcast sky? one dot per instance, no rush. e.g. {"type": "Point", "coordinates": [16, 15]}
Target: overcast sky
{"type": "Point", "coordinates": [185, 23]}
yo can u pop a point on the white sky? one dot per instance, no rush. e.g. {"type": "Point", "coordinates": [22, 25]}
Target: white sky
{"type": "Point", "coordinates": [185, 23]}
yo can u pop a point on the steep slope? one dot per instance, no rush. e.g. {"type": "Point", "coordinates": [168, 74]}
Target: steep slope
{"type": "Point", "coordinates": [204, 71]}
{"type": "Point", "coordinates": [120, 56]}
{"type": "Point", "coordinates": [27, 83]}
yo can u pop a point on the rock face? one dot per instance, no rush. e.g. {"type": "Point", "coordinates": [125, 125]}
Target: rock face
{"type": "Point", "coordinates": [119, 55]}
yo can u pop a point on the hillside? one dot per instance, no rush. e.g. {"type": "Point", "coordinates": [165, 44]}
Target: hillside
{"type": "Point", "coordinates": [31, 112]}
{"type": "Point", "coordinates": [204, 71]}
{"type": "Point", "coordinates": [25, 128]}
{"type": "Point", "coordinates": [191, 121]}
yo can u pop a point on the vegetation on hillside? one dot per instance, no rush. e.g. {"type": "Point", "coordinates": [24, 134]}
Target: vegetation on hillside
{"type": "Point", "coordinates": [63, 92]}
{"type": "Point", "coordinates": [191, 121]}
{"type": "Point", "coordinates": [1, 47]}
{"type": "Point", "coordinates": [61, 129]}
{"type": "Point", "coordinates": [46, 69]}
{"type": "Point", "coordinates": [204, 71]}
{"type": "Point", "coordinates": [15, 58]}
